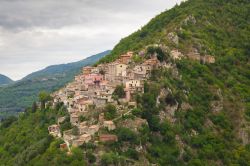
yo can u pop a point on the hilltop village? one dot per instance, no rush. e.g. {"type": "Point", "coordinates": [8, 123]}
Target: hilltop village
{"type": "Point", "coordinates": [110, 85]}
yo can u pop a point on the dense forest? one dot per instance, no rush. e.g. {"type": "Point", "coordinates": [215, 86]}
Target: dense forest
{"type": "Point", "coordinates": [210, 124]}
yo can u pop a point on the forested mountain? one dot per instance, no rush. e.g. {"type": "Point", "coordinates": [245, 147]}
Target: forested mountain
{"type": "Point", "coordinates": [16, 97]}
{"type": "Point", "coordinates": [4, 80]}
{"type": "Point", "coordinates": [197, 113]}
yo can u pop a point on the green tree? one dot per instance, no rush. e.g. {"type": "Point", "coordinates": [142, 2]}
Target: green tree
{"type": "Point", "coordinates": [119, 91]}
{"type": "Point", "coordinates": [34, 107]}
{"type": "Point", "coordinates": [43, 98]}
{"type": "Point", "coordinates": [75, 130]}
{"type": "Point", "coordinates": [91, 157]}
{"type": "Point", "coordinates": [110, 112]}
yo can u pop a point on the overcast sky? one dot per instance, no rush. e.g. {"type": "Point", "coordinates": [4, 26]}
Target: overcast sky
{"type": "Point", "coordinates": [38, 33]}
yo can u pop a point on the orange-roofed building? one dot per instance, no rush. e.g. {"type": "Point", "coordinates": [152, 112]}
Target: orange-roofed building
{"type": "Point", "coordinates": [153, 61]}
{"type": "Point", "coordinates": [108, 138]}
{"type": "Point", "coordinates": [126, 58]}
{"type": "Point", "coordinates": [87, 70]}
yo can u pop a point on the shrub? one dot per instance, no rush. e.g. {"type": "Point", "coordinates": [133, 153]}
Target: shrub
{"type": "Point", "coordinates": [110, 112]}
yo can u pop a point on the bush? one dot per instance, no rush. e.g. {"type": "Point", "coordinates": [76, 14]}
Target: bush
{"type": "Point", "coordinates": [132, 153]}
{"type": "Point", "coordinates": [125, 134]}
{"type": "Point", "coordinates": [110, 112]}
{"type": "Point", "coordinates": [91, 158]}
{"type": "Point", "coordinates": [137, 112]}
{"type": "Point", "coordinates": [119, 91]}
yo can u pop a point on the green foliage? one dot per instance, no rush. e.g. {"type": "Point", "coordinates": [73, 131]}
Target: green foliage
{"type": "Point", "coordinates": [111, 159]}
{"type": "Point", "coordinates": [125, 134]}
{"type": "Point", "coordinates": [34, 107]}
{"type": "Point", "coordinates": [110, 112]}
{"type": "Point", "coordinates": [5, 123]}
{"type": "Point", "coordinates": [132, 153]}
{"type": "Point", "coordinates": [119, 91]}
{"type": "Point", "coordinates": [75, 130]}
{"type": "Point", "coordinates": [91, 157]}
{"type": "Point", "coordinates": [137, 59]}
{"type": "Point", "coordinates": [43, 98]}
{"type": "Point", "coordinates": [82, 118]}
{"type": "Point", "coordinates": [161, 55]}
{"type": "Point", "coordinates": [66, 125]}
{"type": "Point", "coordinates": [137, 112]}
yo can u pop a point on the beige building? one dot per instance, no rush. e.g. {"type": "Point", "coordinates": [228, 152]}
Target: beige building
{"type": "Point", "coordinates": [115, 70]}
{"type": "Point", "coordinates": [109, 124]}
{"type": "Point", "coordinates": [126, 58]}
{"type": "Point", "coordinates": [108, 138]}
{"type": "Point", "coordinates": [207, 59]}
{"type": "Point", "coordinates": [68, 137]}
{"type": "Point", "coordinates": [85, 138]}
{"type": "Point", "coordinates": [74, 119]}
{"type": "Point", "coordinates": [176, 54]}
{"type": "Point", "coordinates": [133, 86]}
{"type": "Point", "coordinates": [54, 130]}
{"type": "Point", "coordinates": [141, 72]}
{"type": "Point", "coordinates": [93, 129]}
{"type": "Point", "coordinates": [87, 70]}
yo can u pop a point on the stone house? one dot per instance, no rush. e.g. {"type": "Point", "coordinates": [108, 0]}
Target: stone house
{"type": "Point", "coordinates": [93, 79]}
{"type": "Point", "coordinates": [100, 101]}
{"type": "Point", "coordinates": [68, 137]}
{"type": "Point", "coordinates": [72, 110]}
{"type": "Point", "coordinates": [87, 70]}
{"type": "Point", "coordinates": [54, 130]}
{"type": "Point", "coordinates": [207, 59]}
{"type": "Point", "coordinates": [95, 70]}
{"type": "Point", "coordinates": [142, 72]}
{"type": "Point", "coordinates": [176, 54]}
{"type": "Point", "coordinates": [151, 62]}
{"type": "Point", "coordinates": [93, 129]}
{"type": "Point", "coordinates": [131, 87]}
{"type": "Point", "coordinates": [63, 146]}
{"type": "Point", "coordinates": [61, 120]}
{"type": "Point", "coordinates": [109, 124]}
{"type": "Point", "coordinates": [126, 58]}
{"type": "Point", "coordinates": [134, 124]}
{"type": "Point", "coordinates": [74, 119]}
{"type": "Point", "coordinates": [83, 129]}
{"type": "Point", "coordinates": [85, 138]}
{"type": "Point", "coordinates": [101, 118]}
{"type": "Point", "coordinates": [194, 55]}
{"type": "Point", "coordinates": [115, 71]}
{"type": "Point", "coordinates": [78, 78]}
{"type": "Point", "coordinates": [108, 138]}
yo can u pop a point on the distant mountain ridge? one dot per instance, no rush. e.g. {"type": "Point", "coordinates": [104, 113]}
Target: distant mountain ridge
{"type": "Point", "coordinates": [19, 95]}
{"type": "Point", "coordinates": [62, 68]}
{"type": "Point", "coordinates": [4, 80]}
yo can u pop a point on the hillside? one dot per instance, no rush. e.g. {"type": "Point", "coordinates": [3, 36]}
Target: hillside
{"type": "Point", "coordinates": [195, 105]}
{"type": "Point", "coordinates": [21, 94]}
{"type": "Point", "coordinates": [4, 80]}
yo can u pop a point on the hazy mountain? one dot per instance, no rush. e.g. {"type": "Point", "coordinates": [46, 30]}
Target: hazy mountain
{"type": "Point", "coordinates": [4, 80]}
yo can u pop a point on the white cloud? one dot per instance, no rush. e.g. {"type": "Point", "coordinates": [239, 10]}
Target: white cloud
{"type": "Point", "coordinates": [35, 34]}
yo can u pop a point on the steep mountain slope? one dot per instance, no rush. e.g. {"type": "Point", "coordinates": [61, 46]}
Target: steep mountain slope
{"type": "Point", "coordinates": [21, 94]}
{"type": "Point", "coordinates": [216, 95]}
{"type": "Point", "coordinates": [218, 28]}
{"type": "Point", "coordinates": [197, 113]}
{"type": "Point", "coordinates": [4, 80]}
